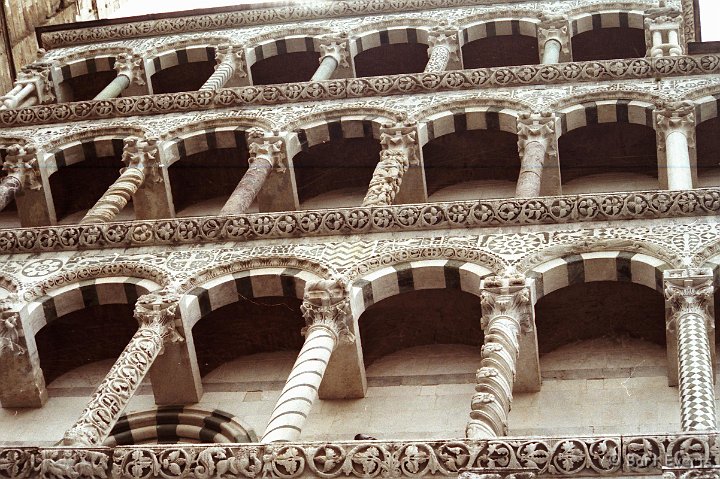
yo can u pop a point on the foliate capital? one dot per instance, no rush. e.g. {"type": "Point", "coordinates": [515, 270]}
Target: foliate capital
{"type": "Point", "coordinates": [401, 137]}
{"type": "Point", "coordinates": [554, 27]}
{"type": "Point", "coordinates": [267, 146]}
{"type": "Point", "coordinates": [38, 73]}
{"type": "Point", "coordinates": [446, 38]}
{"type": "Point", "coordinates": [675, 116]}
{"type": "Point", "coordinates": [233, 56]}
{"type": "Point", "coordinates": [130, 65]}
{"type": "Point", "coordinates": [688, 291]}
{"type": "Point", "coordinates": [10, 326]}
{"type": "Point", "coordinates": [326, 304]}
{"type": "Point", "coordinates": [158, 311]}
{"type": "Point", "coordinates": [142, 153]}
{"type": "Point", "coordinates": [22, 164]}
{"type": "Point", "coordinates": [538, 127]}
{"type": "Point", "coordinates": [336, 47]}
{"type": "Point", "coordinates": [506, 297]}
{"type": "Point", "coordinates": [663, 16]}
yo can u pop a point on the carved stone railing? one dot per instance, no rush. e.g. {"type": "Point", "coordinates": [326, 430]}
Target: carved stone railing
{"type": "Point", "coordinates": [605, 455]}
{"type": "Point", "coordinates": [630, 69]}
{"type": "Point", "coordinates": [343, 221]}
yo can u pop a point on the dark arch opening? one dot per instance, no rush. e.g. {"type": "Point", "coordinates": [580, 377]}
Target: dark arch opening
{"type": "Point", "coordinates": [336, 173]}
{"type": "Point", "coordinates": [608, 157]}
{"type": "Point", "coordinates": [185, 76]}
{"type": "Point", "coordinates": [285, 68]}
{"type": "Point", "coordinates": [391, 59]}
{"type": "Point", "coordinates": [86, 87]}
{"type": "Point", "coordinates": [608, 43]}
{"type": "Point", "coordinates": [501, 51]}
{"type": "Point", "coordinates": [708, 152]}
{"type": "Point", "coordinates": [471, 164]}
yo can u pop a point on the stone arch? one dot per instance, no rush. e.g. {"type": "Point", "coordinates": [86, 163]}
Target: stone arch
{"type": "Point", "coordinates": [388, 33]}
{"type": "Point", "coordinates": [707, 102]}
{"type": "Point", "coordinates": [608, 34]}
{"type": "Point", "coordinates": [583, 21]}
{"type": "Point", "coordinates": [280, 44]}
{"type": "Point", "coordinates": [595, 108]}
{"type": "Point", "coordinates": [338, 126]}
{"type": "Point", "coordinates": [191, 50]}
{"type": "Point", "coordinates": [178, 424]}
{"type": "Point", "coordinates": [96, 60]}
{"type": "Point", "coordinates": [490, 27]}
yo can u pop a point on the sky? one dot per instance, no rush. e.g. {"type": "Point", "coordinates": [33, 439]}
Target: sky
{"type": "Point", "coordinates": [709, 9]}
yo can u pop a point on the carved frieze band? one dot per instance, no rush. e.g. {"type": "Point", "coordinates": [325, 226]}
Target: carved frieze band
{"type": "Point", "coordinates": [638, 68]}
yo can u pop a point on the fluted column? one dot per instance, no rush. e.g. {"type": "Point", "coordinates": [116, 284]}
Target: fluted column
{"type": "Point", "coordinates": [266, 152]}
{"type": "Point", "coordinates": [22, 170]}
{"type": "Point", "coordinates": [156, 313]}
{"type": "Point", "coordinates": [399, 143]}
{"type": "Point", "coordinates": [554, 39]}
{"type": "Point", "coordinates": [33, 86]}
{"type": "Point", "coordinates": [140, 156]}
{"type": "Point", "coordinates": [664, 34]}
{"type": "Point", "coordinates": [689, 296]}
{"type": "Point", "coordinates": [442, 49]}
{"type": "Point", "coordinates": [675, 123]}
{"type": "Point", "coordinates": [129, 69]}
{"type": "Point", "coordinates": [229, 63]}
{"type": "Point", "coordinates": [535, 142]}
{"type": "Point", "coordinates": [506, 311]}
{"type": "Point", "coordinates": [333, 54]}
{"type": "Point", "coordinates": [326, 309]}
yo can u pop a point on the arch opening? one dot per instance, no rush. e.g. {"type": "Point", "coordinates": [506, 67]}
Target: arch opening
{"type": "Point", "coordinates": [285, 68]}
{"type": "Point", "coordinates": [189, 69]}
{"type": "Point", "coordinates": [100, 72]}
{"type": "Point", "coordinates": [501, 51]}
{"type": "Point", "coordinates": [608, 43]}
{"type": "Point", "coordinates": [708, 152]}
{"type": "Point", "coordinates": [391, 59]}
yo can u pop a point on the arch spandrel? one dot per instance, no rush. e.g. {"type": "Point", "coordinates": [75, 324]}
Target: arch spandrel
{"type": "Point", "coordinates": [378, 115]}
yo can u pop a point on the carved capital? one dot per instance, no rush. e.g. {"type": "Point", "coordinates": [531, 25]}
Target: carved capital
{"type": "Point", "coordinates": [326, 304]}
{"type": "Point", "coordinates": [663, 15]}
{"type": "Point", "coordinates": [689, 291]}
{"type": "Point", "coordinates": [130, 65]}
{"type": "Point", "coordinates": [508, 298]}
{"type": "Point", "coordinates": [675, 116]}
{"type": "Point", "coordinates": [446, 38]}
{"type": "Point", "coordinates": [336, 47]}
{"type": "Point", "coordinates": [554, 27]}
{"type": "Point", "coordinates": [22, 164]}
{"type": "Point", "coordinates": [142, 153]}
{"type": "Point", "coordinates": [268, 147]}
{"type": "Point", "coordinates": [231, 56]}
{"type": "Point", "coordinates": [38, 74]}
{"type": "Point", "coordinates": [158, 311]}
{"type": "Point", "coordinates": [537, 127]}
{"type": "Point", "coordinates": [10, 327]}
{"type": "Point", "coordinates": [401, 138]}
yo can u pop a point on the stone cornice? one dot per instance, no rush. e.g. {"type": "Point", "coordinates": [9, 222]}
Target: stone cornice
{"type": "Point", "coordinates": [556, 456]}
{"type": "Point", "coordinates": [352, 88]}
{"type": "Point", "coordinates": [345, 221]}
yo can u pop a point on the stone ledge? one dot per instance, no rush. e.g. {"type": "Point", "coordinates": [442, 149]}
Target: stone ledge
{"type": "Point", "coordinates": [364, 220]}
{"type": "Point", "coordinates": [600, 455]}
{"type": "Point", "coordinates": [351, 88]}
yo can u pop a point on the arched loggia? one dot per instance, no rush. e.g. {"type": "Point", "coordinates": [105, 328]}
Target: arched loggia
{"type": "Point", "coordinates": [607, 35]}
{"type": "Point", "coordinates": [499, 43]}
{"type": "Point", "coordinates": [390, 51]}
{"type": "Point", "coordinates": [184, 68]}
{"type": "Point", "coordinates": [82, 79]}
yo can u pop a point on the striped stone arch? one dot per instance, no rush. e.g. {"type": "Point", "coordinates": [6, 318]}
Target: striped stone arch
{"type": "Point", "coordinates": [361, 42]}
{"type": "Point", "coordinates": [706, 107]}
{"type": "Point", "coordinates": [339, 127]}
{"type": "Point", "coordinates": [466, 118]}
{"type": "Point", "coordinates": [178, 424]}
{"type": "Point", "coordinates": [84, 294]}
{"type": "Point", "coordinates": [578, 115]}
{"type": "Point", "coordinates": [203, 139]}
{"type": "Point", "coordinates": [193, 51]}
{"type": "Point", "coordinates": [413, 276]}
{"type": "Point", "coordinates": [281, 46]}
{"type": "Point", "coordinates": [101, 61]}
{"type": "Point", "coordinates": [579, 268]}
{"type": "Point", "coordinates": [480, 29]}
{"type": "Point", "coordinates": [586, 21]}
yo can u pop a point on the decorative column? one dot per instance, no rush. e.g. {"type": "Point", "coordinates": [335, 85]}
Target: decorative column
{"type": "Point", "coordinates": [156, 313]}
{"type": "Point", "coordinates": [536, 133]}
{"type": "Point", "coordinates": [664, 34]}
{"type": "Point", "coordinates": [326, 309]}
{"type": "Point", "coordinates": [399, 143]}
{"type": "Point", "coordinates": [442, 49]}
{"type": "Point", "coordinates": [22, 170]}
{"type": "Point", "coordinates": [141, 157]}
{"type": "Point", "coordinates": [333, 54]}
{"type": "Point", "coordinates": [229, 63]}
{"type": "Point", "coordinates": [689, 297]}
{"type": "Point", "coordinates": [554, 39]}
{"type": "Point", "coordinates": [266, 153]}
{"type": "Point", "coordinates": [506, 311]}
{"type": "Point", "coordinates": [33, 86]}
{"type": "Point", "coordinates": [129, 69]}
{"type": "Point", "coordinates": [675, 124]}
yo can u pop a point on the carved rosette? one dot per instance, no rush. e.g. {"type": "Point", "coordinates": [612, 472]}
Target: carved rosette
{"type": "Point", "coordinates": [399, 153]}
{"type": "Point", "coordinates": [335, 47]}
{"type": "Point", "coordinates": [156, 313]}
{"type": "Point", "coordinates": [442, 49]}
{"type": "Point", "coordinates": [11, 332]}
{"type": "Point", "coordinates": [506, 312]}
{"type": "Point", "coordinates": [676, 116]}
{"type": "Point", "coordinates": [131, 66]}
{"type": "Point", "coordinates": [326, 305]}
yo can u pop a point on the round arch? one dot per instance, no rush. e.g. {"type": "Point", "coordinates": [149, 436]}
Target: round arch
{"type": "Point", "coordinates": [191, 50]}
{"type": "Point", "coordinates": [449, 118]}
{"type": "Point", "coordinates": [593, 109]}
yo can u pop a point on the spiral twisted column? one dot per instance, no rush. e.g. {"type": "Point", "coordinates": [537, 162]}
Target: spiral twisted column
{"type": "Point", "coordinates": [333, 54]}
{"type": "Point", "coordinates": [129, 69]}
{"type": "Point", "coordinates": [442, 48]}
{"type": "Point", "coordinates": [326, 309]}
{"type": "Point", "coordinates": [554, 39]}
{"type": "Point", "coordinates": [267, 151]}
{"type": "Point", "coordinates": [675, 124]}
{"type": "Point", "coordinates": [141, 157]}
{"type": "Point", "coordinates": [689, 297]}
{"type": "Point", "coordinates": [400, 151]}
{"type": "Point", "coordinates": [229, 63]}
{"type": "Point", "coordinates": [506, 312]}
{"type": "Point", "coordinates": [156, 313]}
{"type": "Point", "coordinates": [536, 141]}
{"type": "Point", "coordinates": [23, 173]}
{"type": "Point", "coordinates": [33, 86]}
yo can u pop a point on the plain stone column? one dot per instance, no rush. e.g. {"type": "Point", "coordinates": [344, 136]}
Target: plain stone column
{"type": "Point", "coordinates": [326, 309]}
{"type": "Point", "coordinates": [505, 306]}
{"type": "Point", "coordinates": [399, 153]}
{"type": "Point", "coordinates": [229, 63]}
{"type": "Point", "coordinates": [689, 296]}
{"type": "Point", "coordinates": [535, 136]}
{"type": "Point", "coordinates": [333, 53]}
{"type": "Point", "coordinates": [156, 313]}
{"type": "Point", "coordinates": [129, 68]}
{"type": "Point", "coordinates": [553, 39]}
{"type": "Point", "coordinates": [676, 123]}
{"type": "Point", "coordinates": [551, 52]}
{"type": "Point", "coordinates": [663, 26]}
{"type": "Point", "coordinates": [442, 46]}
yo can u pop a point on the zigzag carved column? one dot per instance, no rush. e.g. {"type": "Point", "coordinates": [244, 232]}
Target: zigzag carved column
{"type": "Point", "coordinates": [22, 383]}
{"type": "Point", "coordinates": [156, 313]}
{"type": "Point", "coordinates": [129, 69]}
{"type": "Point", "coordinates": [229, 64]}
{"type": "Point", "coordinates": [333, 54]}
{"type": "Point", "coordinates": [442, 50]}
{"type": "Point", "coordinates": [675, 124]}
{"type": "Point", "coordinates": [266, 153]}
{"type": "Point", "coordinates": [399, 153]}
{"type": "Point", "coordinates": [536, 142]}
{"type": "Point", "coordinates": [689, 296]}
{"type": "Point", "coordinates": [22, 173]}
{"type": "Point", "coordinates": [506, 310]}
{"type": "Point", "coordinates": [326, 309]}
{"type": "Point", "coordinates": [141, 157]}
